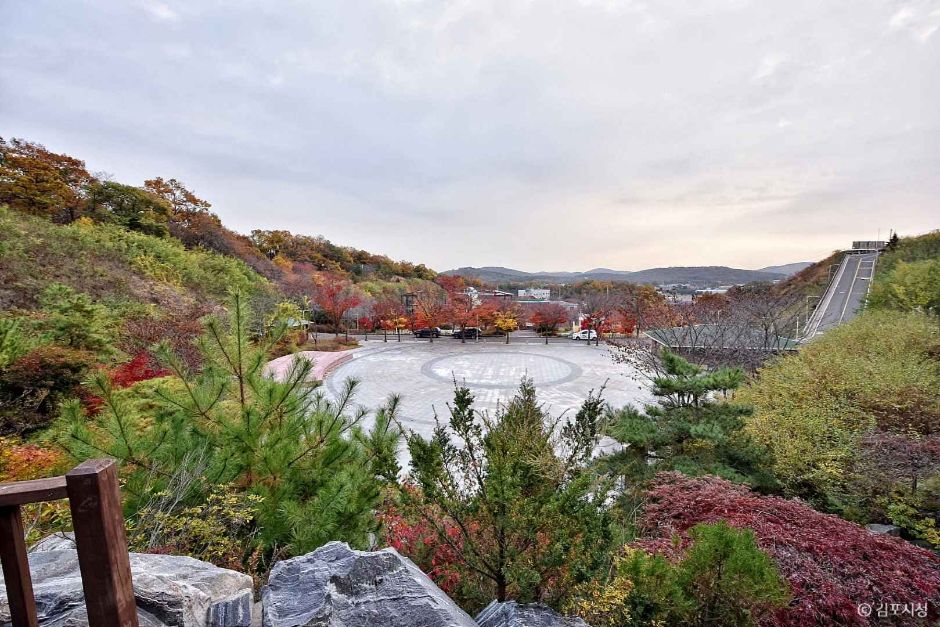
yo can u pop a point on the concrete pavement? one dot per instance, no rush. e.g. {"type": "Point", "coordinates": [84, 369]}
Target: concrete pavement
{"type": "Point", "coordinates": [423, 374]}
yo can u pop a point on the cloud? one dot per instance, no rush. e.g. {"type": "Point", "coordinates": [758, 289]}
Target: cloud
{"type": "Point", "coordinates": [159, 10]}
{"type": "Point", "coordinates": [768, 67]}
{"type": "Point", "coordinates": [502, 132]}
{"type": "Point", "coordinates": [919, 19]}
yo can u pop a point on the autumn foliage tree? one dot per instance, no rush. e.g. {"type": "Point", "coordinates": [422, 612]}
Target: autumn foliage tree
{"type": "Point", "coordinates": [464, 310]}
{"type": "Point", "coordinates": [335, 295]}
{"type": "Point", "coordinates": [597, 309]}
{"type": "Point", "coordinates": [183, 202]}
{"type": "Point", "coordinates": [431, 307]}
{"type": "Point", "coordinates": [506, 322]}
{"type": "Point", "coordinates": [36, 180]}
{"type": "Point", "coordinates": [644, 307]}
{"type": "Point", "coordinates": [388, 313]}
{"type": "Point", "coordinates": [548, 316]}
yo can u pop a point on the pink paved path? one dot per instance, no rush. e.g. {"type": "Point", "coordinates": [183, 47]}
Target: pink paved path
{"type": "Point", "coordinates": [322, 363]}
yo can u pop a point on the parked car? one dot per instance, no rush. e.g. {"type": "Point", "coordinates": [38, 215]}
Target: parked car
{"type": "Point", "coordinates": [426, 332]}
{"type": "Point", "coordinates": [470, 333]}
{"type": "Point", "coordinates": [584, 334]}
{"type": "Point", "coordinates": [447, 331]}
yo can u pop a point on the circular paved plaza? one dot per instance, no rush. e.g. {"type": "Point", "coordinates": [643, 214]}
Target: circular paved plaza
{"type": "Point", "coordinates": [423, 374]}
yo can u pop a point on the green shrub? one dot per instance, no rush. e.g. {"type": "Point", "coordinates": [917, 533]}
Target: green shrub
{"type": "Point", "coordinates": [908, 286]}
{"type": "Point", "coordinates": [74, 320]}
{"type": "Point", "coordinates": [908, 275]}
{"type": "Point", "coordinates": [723, 578]}
{"type": "Point", "coordinates": [879, 372]}
{"type": "Point", "coordinates": [14, 341]}
{"type": "Point", "coordinates": [220, 529]}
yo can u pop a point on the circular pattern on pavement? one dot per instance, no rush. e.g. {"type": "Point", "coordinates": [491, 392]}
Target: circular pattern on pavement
{"type": "Point", "coordinates": [500, 370]}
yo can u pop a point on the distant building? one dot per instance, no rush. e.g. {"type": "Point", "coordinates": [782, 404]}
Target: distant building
{"type": "Point", "coordinates": [712, 290]}
{"type": "Point", "coordinates": [676, 297]}
{"type": "Point", "coordinates": [478, 296]}
{"type": "Point", "coordinates": [868, 246]}
{"type": "Point", "coordinates": [535, 293]}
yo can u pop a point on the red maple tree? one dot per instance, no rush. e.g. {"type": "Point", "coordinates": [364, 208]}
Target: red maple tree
{"type": "Point", "coordinates": [335, 295]}
{"type": "Point", "coordinates": [547, 317]}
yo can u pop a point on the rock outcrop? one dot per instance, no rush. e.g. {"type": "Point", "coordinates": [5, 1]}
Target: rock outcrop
{"type": "Point", "coordinates": [889, 530]}
{"type": "Point", "coordinates": [512, 614]}
{"type": "Point", "coordinates": [337, 586]}
{"type": "Point", "coordinates": [334, 586]}
{"type": "Point", "coordinates": [171, 591]}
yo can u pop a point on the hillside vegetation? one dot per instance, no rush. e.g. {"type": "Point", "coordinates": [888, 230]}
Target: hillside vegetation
{"type": "Point", "coordinates": [908, 275]}
{"type": "Point", "coordinates": [37, 181]}
{"type": "Point", "coordinates": [852, 420]}
{"type": "Point", "coordinates": [811, 280]}
{"type": "Point", "coordinates": [112, 264]}
{"type": "Point", "coordinates": [95, 273]}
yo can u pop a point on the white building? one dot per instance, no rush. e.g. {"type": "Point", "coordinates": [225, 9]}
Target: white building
{"type": "Point", "coordinates": [535, 293]}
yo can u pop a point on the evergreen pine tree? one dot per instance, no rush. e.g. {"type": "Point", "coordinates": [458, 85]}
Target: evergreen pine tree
{"type": "Point", "coordinates": [317, 471]}
{"type": "Point", "coordinates": [693, 427]}
{"type": "Point", "coordinates": [511, 496]}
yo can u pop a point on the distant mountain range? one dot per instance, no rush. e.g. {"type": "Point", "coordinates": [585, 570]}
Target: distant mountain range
{"type": "Point", "coordinates": [787, 269]}
{"type": "Point", "coordinates": [698, 276]}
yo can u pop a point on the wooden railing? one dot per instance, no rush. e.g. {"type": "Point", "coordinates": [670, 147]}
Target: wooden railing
{"type": "Point", "coordinates": [95, 502]}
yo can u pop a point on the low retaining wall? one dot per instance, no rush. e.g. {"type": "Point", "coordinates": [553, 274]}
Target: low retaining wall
{"type": "Point", "coordinates": [323, 363]}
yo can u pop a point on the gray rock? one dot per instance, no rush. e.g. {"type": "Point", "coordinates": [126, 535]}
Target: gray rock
{"type": "Point", "coordinates": [512, 614]}
{"type": "Point", "coordinates": [336, 586]}
{"type": "Point", "coordinates": [232, 612]}
{"type": "Point", "coordinates": [171, 591]}
{"type": "Point", "coordinates": [55, 542]}
{"type": "Point", "coordinates": [889, 530]}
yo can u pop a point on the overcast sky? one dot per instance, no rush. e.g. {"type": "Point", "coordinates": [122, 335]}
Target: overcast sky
{"type": "Point", "coordinates": [547, 135]}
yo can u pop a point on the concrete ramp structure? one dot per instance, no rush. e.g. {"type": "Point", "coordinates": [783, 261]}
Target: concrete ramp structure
{"type": "Point", "coordinates": [845, 296]}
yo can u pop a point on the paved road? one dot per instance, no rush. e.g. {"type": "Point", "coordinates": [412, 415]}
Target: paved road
{"type": "Point", "coordinates": [846, 294]}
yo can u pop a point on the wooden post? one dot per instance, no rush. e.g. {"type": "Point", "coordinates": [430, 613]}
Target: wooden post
{"type": "Point", "coordinates": [19, 585]}
{"type": "Point", "coordinates": [95, 501]}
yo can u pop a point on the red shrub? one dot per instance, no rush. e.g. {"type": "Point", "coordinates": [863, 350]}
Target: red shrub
{"type": "Point", "coordinates": [832, 565]}
{"type": "Point", "coordinates": [140, 368]}
{"type": "Point", "coordinates": [418, 540]}
{"type": "Point", "coordinates": [33, 385]}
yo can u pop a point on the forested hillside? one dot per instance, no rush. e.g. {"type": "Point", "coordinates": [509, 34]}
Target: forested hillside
{"type": "Point", "coordinates": [94, 273]}
{"type": "Point", "coordinates": [37, 181]}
